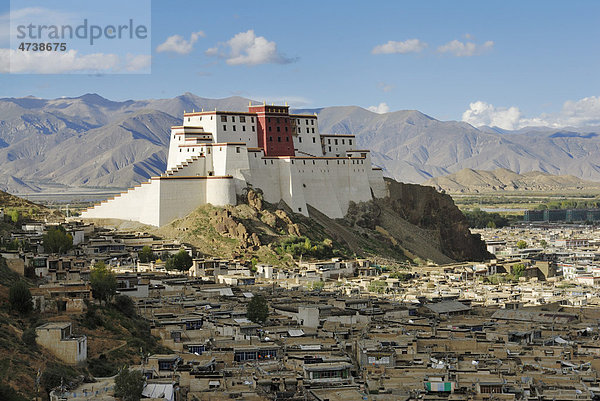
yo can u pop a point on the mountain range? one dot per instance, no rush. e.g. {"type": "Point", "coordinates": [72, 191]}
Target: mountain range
{"type": "Point", "coordinates": [502, 180]}
{"type": "Point", "coordinates": [90, 141]}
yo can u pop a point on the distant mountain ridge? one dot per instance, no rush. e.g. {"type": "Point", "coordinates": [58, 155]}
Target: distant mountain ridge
{"type": "Point", "coordinates": [93, 141]}
{"type": "Point", "coordinates": [503, 180]}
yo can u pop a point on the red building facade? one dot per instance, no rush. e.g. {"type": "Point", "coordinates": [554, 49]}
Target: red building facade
{"type": "Point", "coordinates": [274, 129]}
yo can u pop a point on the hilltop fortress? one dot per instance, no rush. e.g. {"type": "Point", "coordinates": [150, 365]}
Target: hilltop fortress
{"type": "Point", "coordinates": [215, 155]}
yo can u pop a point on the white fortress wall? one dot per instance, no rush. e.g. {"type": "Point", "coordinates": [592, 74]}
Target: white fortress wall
{"type": "Point", "coordinates": [142, 203]}
{"type": "Point", "coordinates": [179, 196]}
{"type": "Point", "coordinates": [290, 186]}
{"type": "Point", "coordinates": [328, 184]}
{"type": "Point", "coordinates": [236, 162]}
{"type": "Point", "coordinates": [377, 183]}
{"type": "Point", "coordinates": [374, 174]}
{"type": "Point", "coordinates": [220, 191]}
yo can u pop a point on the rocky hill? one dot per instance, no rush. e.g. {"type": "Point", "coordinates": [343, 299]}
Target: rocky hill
{"type": "Point", "coordinates": [95, 142]}
{"type": "Point", "coordinates": [504, 180]}
{"type": "Point", "coordinates": [414, 223]}
{"type": "Point", "coordinates": [27, 209]}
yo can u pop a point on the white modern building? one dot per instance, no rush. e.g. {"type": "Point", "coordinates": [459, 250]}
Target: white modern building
{"type": "Point", "coordinates": [215, 155]}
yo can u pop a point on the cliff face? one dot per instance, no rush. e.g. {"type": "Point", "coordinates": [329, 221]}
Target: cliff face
{"type": "Point", "coordinates": [435, 212]}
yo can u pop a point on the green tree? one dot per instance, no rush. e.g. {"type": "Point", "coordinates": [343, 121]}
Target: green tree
{"type": "Point", "coordinates": [146, 255]}
{"type": "Point", "coordinates": [544, 244]}
{"type": "Point", "coordinates": [103, 282]}
{"type": "Point", "coordinates": [518, 270]}
{"type": "Point", "coordinates": [378, 286]}
{"type": "Point", "coordinates": [257, 309]}
{"type": "Point", "coordinates": [19, 297]}
{"type": "Point", "coordinates": [521, 244]}
{"type": "Point", "coordinates": [13, 215]}
{"type": "Point", "coordinates": [317, 285]}
{"type": "Point", "coordinates": [7, 393]}
{"type": "Point", "coordinates": [56, 240]}
{"type": "Point", "coordinates": [181, 261]}
{"type": "Point", "coordinates": [54, 375]}
{"type": "Point", "coordinates": [28, 337]}
{"type": "Point", "coordinates": [125, 305]}
{"type": "Point", "coordinates": [129, 385]}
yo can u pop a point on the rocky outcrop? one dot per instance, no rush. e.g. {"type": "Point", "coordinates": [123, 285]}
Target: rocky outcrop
{"type": "Point", "coordinates": [226, 225]}
{"type": "Point", "coordinates": [428, 209]}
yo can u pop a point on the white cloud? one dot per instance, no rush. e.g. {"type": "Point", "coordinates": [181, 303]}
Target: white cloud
{"type": "Point", "coordinates": [385, 87]}
{"type": "Point", "coordinates": [14, 61]}
{"type": "Point", "coordinates": [177, 44]}
{"type": "Point", "coordinates": [482, 113]}
{"type": "Point", "coordinates": [393, 47]}
{"type": "Point", "coordinates": [465, 49]}
{"type": "Point", "coordinates": [382, 108]}
{"type": "Point", "coordinates": [579, 113]}
{"type": "Point", "coordinates": [246, 48]}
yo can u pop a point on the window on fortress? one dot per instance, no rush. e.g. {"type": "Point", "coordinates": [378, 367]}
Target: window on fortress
{"type": "Point", "coordinates": [277, 120]}
{"type": "Point", "coordinates": [270, 128]}
{"type": "Point", "coordinates": [312, 122]}
{"type": "Point", "coordinates": [287, 138]}
{"type": "Point", "coordinates": [224, 127]}
{"type": "Point", "coordinates": [223, 119]}
{"type": "Point", "coordinates": [306, 122]}
{"type": "Point", "coordinates": [237, 149]}
{"type": "Point", "coordinates": [286, 129]}
{"type": "Point", "coordinates": [313, 130]}
{"type": "Point", "coordinates": [251, 119]}
{"type": "Point", "coordinates": [300, 139]}
{"type": "Point", "coordinates": [314, 140]}
{"type": "Point", "coordinates": [299, 130]}
{"type": "Point", "coordinates": [270, 139]}
{"type": "Point", "coordinates": [243, 128]}
{"type": "Point", "coordinates": [188, 119]}
{"type": "Point", "coordinates": [307, 130]}
{"type": "Point", "coordinates": [330, 148]}
{"type": "Point", "coordinates": [278, 129]}
{"type": "Point", "coordinates": [234, 127]}
{"type": "Point", "coordinates": [349, 141]}
{"type": "Point", "coordinates": [232, 119]}
{"type": "Point", "coordinates": [268, 119]}
{"type": "Point", "coordinates": [242, 119]}
{"type": "Point", "coordinates": [278, 139]}
{"type": "Point", "coordinates": [335, 141]}
{"type": "Point", "coordinates": [253, 129]}
{"type": "Point", "coordinates": [329, 143]}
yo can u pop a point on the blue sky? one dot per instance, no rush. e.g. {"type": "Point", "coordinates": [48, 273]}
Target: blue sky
{"type": "Point", "coordinates": [506, 63]}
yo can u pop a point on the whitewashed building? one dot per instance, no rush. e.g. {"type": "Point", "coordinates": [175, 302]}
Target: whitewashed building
{"type": "Point", "coordinates": [215, 155]}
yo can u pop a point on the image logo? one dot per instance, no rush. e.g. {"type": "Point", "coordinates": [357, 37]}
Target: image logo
{"type": "Point", "coordinates": [74, 37]}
